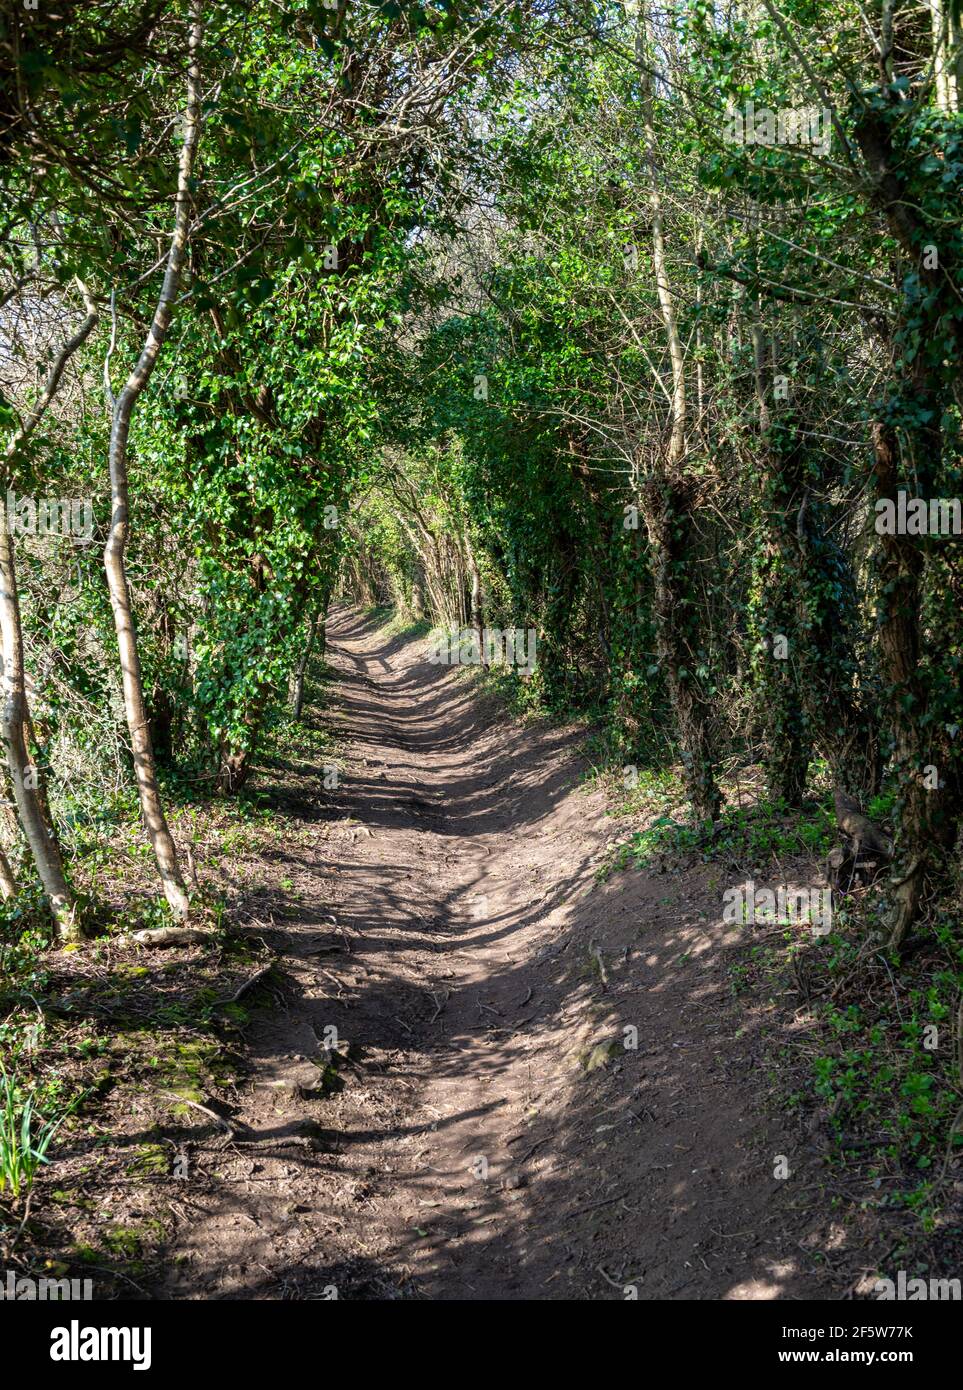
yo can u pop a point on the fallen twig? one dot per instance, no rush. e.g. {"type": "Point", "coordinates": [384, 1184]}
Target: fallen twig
{"type": "Point", "coordinates": [246, 984]}
{"type": "Point", "coordinates": [205, 1110]}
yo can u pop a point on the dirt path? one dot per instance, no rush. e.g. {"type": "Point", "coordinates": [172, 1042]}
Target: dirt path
{"type": "Point", "coordinates": [454, 935]}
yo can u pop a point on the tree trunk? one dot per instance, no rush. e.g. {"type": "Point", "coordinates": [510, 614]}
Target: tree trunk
{"type": "Point", "coordinates": [923, 828]}
{"type": "Point", "coordinates": [776, 597]}
{"type": "Point", "coordinates": [297, 685]}
{"type": "Point", "coordinates": [234, 770]}
{"type": "Point", "coordinates": [418, 591]}
{"type": "Point", "coordinates": [8, 884]}
{"type": "Point", "coordinates": [672, 610]}
{"type": "Point", "coordinates": [145, 769]}
{"type": "Point", "coordinates": [477, 608]}
{"type": "Point", "coordinates": [665, 501]}
{"type": "Point", "coordinates": [840, 708]}
{"type": "Point", "coordinates": [236, 759]}
{"type": "Point", "coordinates": [39, 836]}
{"type": "Point", "coordinates": [28, 793]}
{"type": "Point", "coordinates": [945, 29]}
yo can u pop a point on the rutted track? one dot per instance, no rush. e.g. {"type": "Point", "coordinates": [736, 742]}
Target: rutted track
{"type": "Point", "coordinates": [455, 937]}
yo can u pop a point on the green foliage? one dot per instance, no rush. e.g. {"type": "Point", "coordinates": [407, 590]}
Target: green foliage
{"type": "Point", "coordinates": [752, 837]}
{"type": "Point", "coordinates": [25, 1137]}
{"type": "Point", "coordinates": [443, 372]}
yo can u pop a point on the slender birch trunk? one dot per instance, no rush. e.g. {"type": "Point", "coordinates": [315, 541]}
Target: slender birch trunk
{"type": "Point", "coordinates": [145, 769]}
{"type": "Point", "coordinates": [39, 836]}
{"type": "Point", "coordinates": [15, 722]}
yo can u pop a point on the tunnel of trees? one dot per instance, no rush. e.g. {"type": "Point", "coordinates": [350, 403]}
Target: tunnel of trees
{"type": "Point", "coordinates": [636, 326]}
